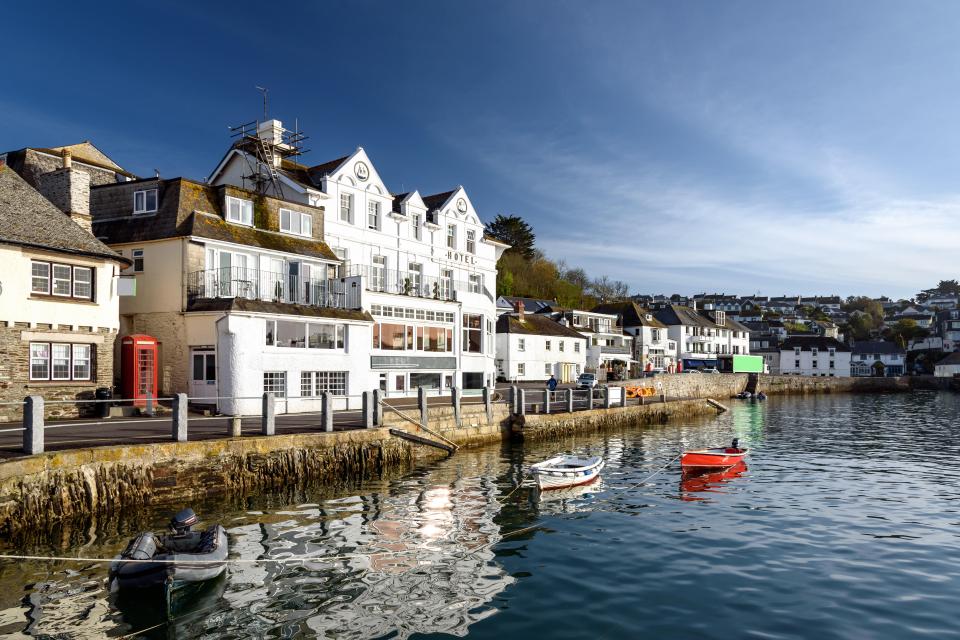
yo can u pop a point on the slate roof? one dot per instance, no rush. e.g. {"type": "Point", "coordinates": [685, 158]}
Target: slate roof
{"type": "Point", "coordinates": [808, 342]}
{"type": "Point", "coordinates": [534, 324]}
{"type": "Point", "coordinates": [953, 358]}
{"type": "Point", "coordinates": [530, 305]}
{"type": "Point", "coordinates": [877, 346]}
{"type": "Point", "coordinates": [630, 314]}
{"type": "Point", "coordinates": [28, 219]}
{"type": "Point", "coordinates": [675, 314]}
{"type": "Point", "coordinates": [318, 171]}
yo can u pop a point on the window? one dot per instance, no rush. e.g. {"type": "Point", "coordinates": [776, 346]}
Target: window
{"type": "Point", "coordinates": [138, 260]}
{"type": "Point", "coordinates": [814, 365]}
{"type": "Point", "coordinates": [451, 236]}
{"type": "Point", "coordinates": [275, 382]}
{"type": "Point", "coordinates": [59, 361]}
{"type": "Point", "coordinates": [416, 220]}
{"type": "Point", "coordinates": [576, 347]}
{"type": "Point", "coordinates": [547, 368]}
{"type": "Point", "coordinates": [814, 351]}
{"type": "Point", "coordinates": [546, 345]}
{"type": "Point", "coordinates": [796, 351]}
{"type": "Point", "coordinates": [471, 241]}
{"type": "Point", "coordinates": [314, 383]}
{"type": "Point", "coordinates": [490, 342]}
{"type": "Point", "coordinates": [346, 207]}
{"type": "Point", "coordinates": [296, 222]}
{"type": "Point", "coordinates": [655, 335]}
{"type": "Point", "coordinates": [61, 280]}
{"type": "Point", "coordinates": [373, 215]}
{"type": "Point", "coordinates": [239, 211]}
{"type": "Point", "coordinates": [145, 201]}
{"type": "Point", "coordinates": [81, 362]}
{"type": "Point", "coordinates": [832, 365]}
{"type": "Point", "coordinates": [416, 277]}
{"type": "Point", "coordinates": [82, 282]}
{"type": "Point", "coordinates": [344, 258]}
{"type": "Point", "coordinates": [475, 283]}
{"type": "Point", "coordinates": [521, 369]}
{"type": "Point", "coordinates": [796, 364]}
{"type": "Point", "coordinates": [325, 336]}
{"type": "Point", "coordinates": [472, 328]}
{"type": "Point", "coordinates": [446, 284]}
{"type": "Point", "coordinates": [378, 275]}
{"type": "Point", "coordinates": [40, 277]}
{"type": "Point", "coordinates": [560, 342]}
{"type": "Point", "coordinates": [521, 344]}
{"type": "Point", "coordinates": [832, 351]}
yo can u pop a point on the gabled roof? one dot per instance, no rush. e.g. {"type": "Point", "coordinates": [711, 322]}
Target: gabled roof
{"type": "Point", "coordinates": [953, 358]}
{"type": "Point", "coordinates": [320, 171]}
{"type": "Point", "coordinates": [675, 314]}
{"type": "Point", "coordinates": [530, 305]}
{"type": "Point", "coordinates": [28, 219]}
{"type": "Point", "coordinates": [534, 324]}
{"type": "Point", "coordinates": [876, 346]}
{"type": "Point", "coordinates": [85, 152]}
{"type": "Point", "coordinates": [808, 342]}
{"type": "Point", "coordinates": [630, 314]}
{"type": "Point", "coordinates": [437, 200]}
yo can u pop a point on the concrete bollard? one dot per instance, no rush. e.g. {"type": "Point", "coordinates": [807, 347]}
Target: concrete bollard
{"type": "Point", "coordinates": [326, 411]}
{"type": "Point", "coordinates": [367, 410]}
{"type": "Point", "coordinates": [378, 407]}
{"type": "Point", "coordinates": [455, 398]}
{"type": "Point", "coordinates": [488, 404]}
{"type": "Point", "coordinates": [514, 400]}
{"type": "Point", "coordinates": [179, 417]}
{"type": "Point", "coordinates": [235, 427]}
{"type": "Point", "coordinates": [590, 396]}
{"type": "Point", "coordinates": [522, 401]}
{"type": "Point", "coordinates": [606, 398]}
{"type": "Point", "coordinates": [422, 403]}
{"type": "Point", "coordinates": [623, 396]}
{"type": "Point", "coordinates": [546, 400]}
{"type": "Point", "coordinates": [268, 423]}
{"type": "Point", "coordinates": [33, 425]}
{"type": "Point", "coordinates": [569, 400]}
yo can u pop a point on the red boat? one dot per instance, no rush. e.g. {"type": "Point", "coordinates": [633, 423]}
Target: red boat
{"type": "Point", "coordinates": [719, 458]}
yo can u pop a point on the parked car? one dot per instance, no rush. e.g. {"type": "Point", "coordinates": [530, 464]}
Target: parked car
{"type": "Point", "coordinates": [691, 371]}
{"type": "Point", "coordinates": [711, 370]}
{"type": "Point", "coordinates": [587, 381]}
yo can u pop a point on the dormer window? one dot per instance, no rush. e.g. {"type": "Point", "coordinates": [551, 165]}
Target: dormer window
{"type": "Point", "coordinates": [296, 222]}
{"type": "Point", "coordinates": [144, 201]}
{"type": "Point", "coordinates": [471, 241]}
{"type": "Point", "coordinates": [240, 211]}
{"type": "Point", "coordinates": [417, 223]}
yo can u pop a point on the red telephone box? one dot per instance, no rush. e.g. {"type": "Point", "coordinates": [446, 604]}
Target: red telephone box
{"type": "Point", "coordinates": [138, 368]}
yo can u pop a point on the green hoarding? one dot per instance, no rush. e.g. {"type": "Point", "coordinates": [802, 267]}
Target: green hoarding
{"type": "Point", "coordinates": [748, 364]}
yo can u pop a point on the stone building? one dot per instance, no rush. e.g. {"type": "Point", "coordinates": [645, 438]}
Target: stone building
{"type": "Point", "coordinates": [59, 299]}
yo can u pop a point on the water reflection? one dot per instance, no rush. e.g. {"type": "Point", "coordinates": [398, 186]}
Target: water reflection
{"type": "Point", "coordinates": [700, 481]}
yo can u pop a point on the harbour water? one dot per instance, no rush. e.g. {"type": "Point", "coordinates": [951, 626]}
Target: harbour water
{"type": "Point", "coordinates": [845, 524]}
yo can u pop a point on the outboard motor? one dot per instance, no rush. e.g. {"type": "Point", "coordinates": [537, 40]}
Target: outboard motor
{"type": "Point", "coordinates": [736, 443]}
{"type": "Point", "coordinates": [180, 524]}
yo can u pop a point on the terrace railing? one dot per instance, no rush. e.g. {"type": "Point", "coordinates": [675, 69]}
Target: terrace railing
{"type": "Point", "coordinates": [253, 284]}
{"type": "Point", "coordinates": [409, 283]}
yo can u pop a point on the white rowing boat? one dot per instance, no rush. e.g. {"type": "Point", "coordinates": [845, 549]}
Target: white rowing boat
{"type": "Point", "coordinates": [566, 471]}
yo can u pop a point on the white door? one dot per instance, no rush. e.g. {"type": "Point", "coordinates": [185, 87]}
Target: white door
{"type": "Point", "coordinates": [203, 376]}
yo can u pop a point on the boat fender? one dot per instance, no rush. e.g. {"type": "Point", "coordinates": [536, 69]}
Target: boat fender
{"type": "Point", "coordinates": [142, 547]}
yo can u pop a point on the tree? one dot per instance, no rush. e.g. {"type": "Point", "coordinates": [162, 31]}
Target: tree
{"type": "Point", "coordinates": [905, 331]}
{"type": "Point", "coordinates": [868, 306]}
{"type": "Point", "coordinates": [515, 232]}
{"type": "Point", "coordinates": [504, 283]}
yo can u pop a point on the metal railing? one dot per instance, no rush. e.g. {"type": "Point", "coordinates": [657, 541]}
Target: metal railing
{"type": "Point", "coordinates": [410, 283]}
{"type": "Point", "coordinates": [269, 286]}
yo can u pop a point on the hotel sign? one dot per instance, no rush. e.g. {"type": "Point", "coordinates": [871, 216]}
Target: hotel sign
{"type": "Point", "coordinates": [463, 258]}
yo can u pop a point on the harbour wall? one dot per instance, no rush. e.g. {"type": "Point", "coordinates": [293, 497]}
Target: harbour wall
{"type": "Point", "coordinates": [38, 492]}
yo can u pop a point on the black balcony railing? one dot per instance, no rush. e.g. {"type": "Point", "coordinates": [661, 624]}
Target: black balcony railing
{"type": "Point", "coordinates": [253, 284]}
{"type": "Point", "coordinates": [409, 283]}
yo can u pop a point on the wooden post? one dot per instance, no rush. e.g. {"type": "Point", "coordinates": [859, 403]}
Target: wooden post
{"type": "Point", "coordinates": [606, 397]}
{"type": "Point", "coordinates": [488, 404]}
{"type": "Point", "coordinates": [33, 425]}
{"type": "Point", "coordinates": [569, 400]}
{"type": "Point", "coordinates": [623, 396]}
{"type": "Point", "coordinates": [326, 411]}
{"type": "Point", "coordinates": [455, 399]}
{"type": "Point", "coordinates": [546, 400]}
{"type": "Point", "coordinates": [522, 401]}
{"type": "Point", "coordinates": [424, 407]}
{"type": "Point", "coordinates": [179, 417]}
{"type": "Point", "coordinates": [268, 422]}
{"type": "Point", "coordinates": [377, 407]}
{"type": "Point", "coordinates": [367, 410]}
{"type": "Point", "coordinates": [514, 400]}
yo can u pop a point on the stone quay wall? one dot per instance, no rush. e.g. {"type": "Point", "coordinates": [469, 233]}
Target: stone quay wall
{"type": "Point", "coordinates": [726, 385]}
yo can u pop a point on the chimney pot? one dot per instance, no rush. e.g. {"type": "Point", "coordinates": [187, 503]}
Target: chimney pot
{"type": "Point", "coordinates": [67, 158]}
{"type": "Point", "coordinates": [520, 309]}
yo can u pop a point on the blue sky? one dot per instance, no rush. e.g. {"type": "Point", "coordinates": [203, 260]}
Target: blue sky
{"type": "Point", "coordinates": [679, 146]}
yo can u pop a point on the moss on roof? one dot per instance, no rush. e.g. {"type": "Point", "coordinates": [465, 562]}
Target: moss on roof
{"type": "Point", "coordinates": [207, 225]}
{"type": "Point", "coordinates": [535, 324]}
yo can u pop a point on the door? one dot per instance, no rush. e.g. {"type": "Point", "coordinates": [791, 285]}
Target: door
{"type": "Point", "coordinates": [203, 376]}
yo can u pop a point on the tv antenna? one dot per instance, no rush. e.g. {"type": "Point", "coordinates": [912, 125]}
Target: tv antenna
{"type": "Point", "coordinates": [266, 103]}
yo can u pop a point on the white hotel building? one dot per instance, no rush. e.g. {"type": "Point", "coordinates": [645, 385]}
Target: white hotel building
{"type": "Point", "coordinates": [425, 270]}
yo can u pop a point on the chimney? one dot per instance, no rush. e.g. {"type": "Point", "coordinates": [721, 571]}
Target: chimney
{"type": "Point", "coordinates": [69, 190]}
{"type": "Point", "coordinates": [271, 133]}
{"type": "Point", "coordinates": [520, 310]}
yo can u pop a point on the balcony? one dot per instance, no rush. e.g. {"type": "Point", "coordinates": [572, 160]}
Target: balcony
{"type": "Point", "coordinates": [252, 284]}
{"type": "Point", "coordinates": [615, 350]}
{"type": "Point", "coordinates": [407, 283]}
